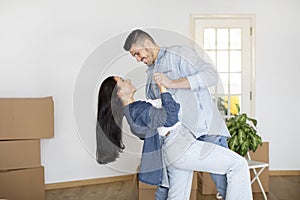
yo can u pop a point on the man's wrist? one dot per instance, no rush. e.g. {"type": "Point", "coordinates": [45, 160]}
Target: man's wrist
{"type": "Point", "coordinates": [179, 83]}
{"type": "Point", "coordinates": [172, 84]}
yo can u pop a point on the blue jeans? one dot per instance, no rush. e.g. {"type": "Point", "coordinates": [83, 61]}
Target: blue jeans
{"type": "Point", "coordinates": [184, 155]}
{"type": "Point", "coordinates": [219, 180]}
{"type": "Point", "coordinates": [161, 193]}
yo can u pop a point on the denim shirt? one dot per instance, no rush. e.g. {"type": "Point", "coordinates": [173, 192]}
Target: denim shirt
{"type": "Point", "coordinates": [198, 111]}
{"type": "Point", "coordinates": [144, 119]}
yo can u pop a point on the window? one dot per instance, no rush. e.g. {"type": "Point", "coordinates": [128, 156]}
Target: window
{"type": "Point", "coordinates": [228, 40]}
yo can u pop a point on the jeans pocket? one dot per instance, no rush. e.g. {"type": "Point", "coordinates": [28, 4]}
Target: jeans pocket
{"type": "Point", "coordinates": [206, 149]}
{"type": "Point", "coordinates": [181, 159]}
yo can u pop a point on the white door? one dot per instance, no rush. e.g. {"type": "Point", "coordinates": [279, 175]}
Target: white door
{"type": "Point", "coordinates": [228, 40]}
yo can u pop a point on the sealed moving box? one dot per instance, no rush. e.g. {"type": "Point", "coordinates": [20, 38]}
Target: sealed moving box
{"type": "Point", "coordinates": [18, 154]}
{"type": "Point", "coordinates": [23, 121]}
{"type": "Point", "coordinates": [26, 118]}
{"type": "Point", "coordinates": [22, 184]}
{"type": "Point", "coordinates": [147, 192]}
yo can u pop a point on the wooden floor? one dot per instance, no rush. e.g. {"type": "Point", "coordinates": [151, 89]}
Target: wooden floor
{"type": "Point", "coordinates": [284, 188]}
{"type": "Point", "coordinates": [281, 188]}
{"type": "Point", "coordinates": [123, 190]}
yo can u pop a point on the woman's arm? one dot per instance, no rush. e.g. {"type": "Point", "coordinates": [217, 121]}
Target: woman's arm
{"type": "Point", "coordinates": [169, 105]}
{"type": "Point", "coordinates": [143, 114]}
{"type": "Point", "coordinates": [135, 128]}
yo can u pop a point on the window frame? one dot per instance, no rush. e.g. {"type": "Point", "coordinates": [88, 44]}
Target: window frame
{"type": "Point", "coordinates": [226, 18]}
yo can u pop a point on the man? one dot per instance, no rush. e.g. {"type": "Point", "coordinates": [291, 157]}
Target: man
{"type": "Point", "coordinates": [187, 77]}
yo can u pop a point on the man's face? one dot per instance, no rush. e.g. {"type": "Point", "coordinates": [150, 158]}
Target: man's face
{"type": "Point", "coordinates": [142, 54]}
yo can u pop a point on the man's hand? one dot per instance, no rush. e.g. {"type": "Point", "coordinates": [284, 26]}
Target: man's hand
{"type": "Point", "coordinates": [162, 79]}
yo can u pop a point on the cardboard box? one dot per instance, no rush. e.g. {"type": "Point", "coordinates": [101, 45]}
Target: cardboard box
{"type": "Point", "coordinates": [19, 154]}
{"type": "Point", "coordinates": [207, 186]}
{"type": "Point", "coordinates": [26, 118]}
{"type": "Point", "coordinates": [22, 184]}
{"type": "Point", "coordinates": [147, 192]}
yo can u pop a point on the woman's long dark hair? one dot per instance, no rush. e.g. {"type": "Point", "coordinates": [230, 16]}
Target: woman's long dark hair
{"type": "Point", "coordinates": [109, 122]}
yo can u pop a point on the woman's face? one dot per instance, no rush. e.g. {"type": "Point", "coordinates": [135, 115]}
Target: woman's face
{"type": "Point", "coordinates": [125, 88]}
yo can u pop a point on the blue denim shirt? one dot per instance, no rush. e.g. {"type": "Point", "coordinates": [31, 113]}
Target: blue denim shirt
{"type": "Point", "coordinates": [198, 111]}
{"type": "Point", "coordinates": [144, 119]}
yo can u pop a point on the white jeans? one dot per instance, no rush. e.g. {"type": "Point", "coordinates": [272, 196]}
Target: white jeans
{"type": "Point", "coordinates": [184, 154]}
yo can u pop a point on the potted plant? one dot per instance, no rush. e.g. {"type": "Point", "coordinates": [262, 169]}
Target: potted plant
{"type": "Point", "coordinates": [243, 134]}
{"type": "Point", "coordinates": [241, 127]}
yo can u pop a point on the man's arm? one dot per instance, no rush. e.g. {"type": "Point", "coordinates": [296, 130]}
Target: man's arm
{"type": "Point", "coordinates": [196, 73]}
{"type": "Point", "coordinates": [161, 78]}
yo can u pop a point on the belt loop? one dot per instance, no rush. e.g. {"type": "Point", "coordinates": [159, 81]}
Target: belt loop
{"type": "Point", "coordinates": [168, 133]}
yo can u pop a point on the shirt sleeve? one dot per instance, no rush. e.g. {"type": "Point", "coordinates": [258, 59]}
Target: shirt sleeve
{"type": "Point", "coordinates": [199, 73]}
{"type": "Point", "coordinates": [172, 109]}
{"type": "Point", "coordinates": [136, 130]}
{"type": "Point", "coordinates": [165, 116]}
{"type": "Point", "coordinates": [143, 114]}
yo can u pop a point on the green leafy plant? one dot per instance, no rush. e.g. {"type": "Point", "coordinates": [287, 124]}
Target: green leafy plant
{"type": "Point", "coordinates": [243, 134]}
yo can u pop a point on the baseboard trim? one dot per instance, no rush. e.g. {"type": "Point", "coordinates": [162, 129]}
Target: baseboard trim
{"type": "Point", "coordinates": [284, 172]}
{"type": "Point", "coordinates": [132, 177]}
{"type": "Point", "coordinates": [61, 185]}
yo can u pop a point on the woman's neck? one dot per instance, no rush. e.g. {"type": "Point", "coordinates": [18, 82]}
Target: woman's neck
{"type": "Point", "coordinates": [127, 101]}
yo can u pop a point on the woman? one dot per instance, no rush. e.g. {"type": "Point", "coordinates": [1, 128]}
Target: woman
{"type": "Point", "coordinates": [182, 153]}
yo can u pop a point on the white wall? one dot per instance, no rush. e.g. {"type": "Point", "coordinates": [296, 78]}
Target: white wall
{"type": "Point", "coordinates": [45, 44]}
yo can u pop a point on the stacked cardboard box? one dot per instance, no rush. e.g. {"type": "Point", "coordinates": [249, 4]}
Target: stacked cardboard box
{"type": "Point", "coordinates": [207, 186]}
{"type": "Point", "coordinates": [147, 192]}
{"type": "Point", "coordinates": [23, 122]}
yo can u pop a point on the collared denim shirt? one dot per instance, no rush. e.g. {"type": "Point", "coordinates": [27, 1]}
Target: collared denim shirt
{"type": "Point", "coordinates": [198, 111]}
{"type": "Point", "coordinates": [144, 119]}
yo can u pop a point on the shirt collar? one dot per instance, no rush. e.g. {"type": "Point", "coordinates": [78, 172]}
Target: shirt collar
{"type": "Point", "coordinates": [161, 52]}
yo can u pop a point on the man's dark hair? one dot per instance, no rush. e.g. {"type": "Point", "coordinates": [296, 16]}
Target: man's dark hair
{"type": "Point", "coordinates": [136, 37]}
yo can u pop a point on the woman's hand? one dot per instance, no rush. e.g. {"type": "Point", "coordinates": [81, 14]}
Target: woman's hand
{"type": "Point", "coordinates": [162, 88]}
{"type": "Point", "coordinates": [162, 79]}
